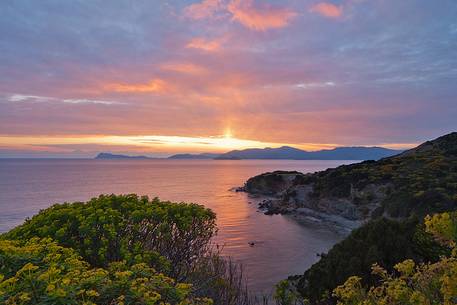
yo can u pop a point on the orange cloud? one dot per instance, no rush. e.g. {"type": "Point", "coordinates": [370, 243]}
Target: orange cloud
{"type": "Point", "coordinates": [260, 18]}
{"type": "Point", "coordinates": [202, 10]}
{"type": "Point", "coordinates": [203, 44]}
{"type": "Point", "coordinates": [155, 85]}
{"type": "Point", "coordinates": [187, 68]}
{"type": "Point", "coordinates": [327, 10]}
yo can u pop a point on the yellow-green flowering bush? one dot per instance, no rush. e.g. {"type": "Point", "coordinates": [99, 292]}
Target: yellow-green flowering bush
{"type": "Point", "coordinates": [168, 236]}
{"type": "Point", "coordinates": [423, 284]}
{"type": "Point", "coordinates": [41, 272]}
{"type": "Point", "coordinates": [426, 284]}
{"type": "Point", "coordinates": [444, 227]}
{"type": "Point", "coordinates": [133, 250]}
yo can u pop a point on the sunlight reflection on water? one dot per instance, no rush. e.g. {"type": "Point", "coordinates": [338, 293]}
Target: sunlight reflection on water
{"type": "Point", "coordinates": [282, 247]}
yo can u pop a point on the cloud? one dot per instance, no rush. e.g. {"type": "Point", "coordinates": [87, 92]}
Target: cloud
{"type": "Point", "coordinates": [328, 10]}
{"type": "Point", "coordinates": [315, 85]}
{"type": "Point", "coordinates": [260, 17]}
{"type": "Point", "coordinates": [202, 10]}
{"type": "Point", "coordinates": [146, 143]}
{"type": "Point", "coordinates": [87, 101]}
{"type": "Point", "coordinates": [155, 85]}
{"type": "Point", "coordinates": [397, 82]}
{"type": "Point", "coordinates": [185, 68]}
{"type": "Point", "coordinates": [21, 98]}
{"type": "Point", "coordinates": [204, 44]}
{"type": "Point", "coordinates": [44, 99]}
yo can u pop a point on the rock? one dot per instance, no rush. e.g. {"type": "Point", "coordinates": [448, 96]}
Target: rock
{"type": "Point", "coordinates": [271, 184]}
{"type": "Point", "coordinates": [237, 189]}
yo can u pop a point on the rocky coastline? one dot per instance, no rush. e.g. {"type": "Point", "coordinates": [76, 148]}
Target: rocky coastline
{"type": "Point", "coordinates": [416, 183]}
{"type": "Point", "coordinates": [285, 193]}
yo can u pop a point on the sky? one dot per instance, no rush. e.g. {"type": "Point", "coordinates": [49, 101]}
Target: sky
{"type": "Point", "coordinates": [162, 77]}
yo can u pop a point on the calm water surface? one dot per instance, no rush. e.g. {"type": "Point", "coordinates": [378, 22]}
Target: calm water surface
{"type": "Point", "coordinates": [282, 248]}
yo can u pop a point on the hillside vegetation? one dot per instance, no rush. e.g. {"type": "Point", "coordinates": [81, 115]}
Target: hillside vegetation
{"type": "Point", "coordinates": [419, 181]}
{"type": "Point", "coordinates": [390, 196]}
{"type": "Point", "coordinates": [411, 283]}
{"type": "Point", "coordinates": [415, 183]}
{"type": "Point", "coordinates": [382, 241]}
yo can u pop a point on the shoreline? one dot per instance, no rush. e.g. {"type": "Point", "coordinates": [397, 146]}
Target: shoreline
{"type": "Point", "coordinates": [304, 216]}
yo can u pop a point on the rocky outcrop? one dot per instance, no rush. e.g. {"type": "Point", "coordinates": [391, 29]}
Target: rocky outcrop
{"type": "Point", "coordinates": [420, 181]}
{"type": "Point", "coordinates": [272, 184]}
{"type": "Point", "coordinates": [289, 193]}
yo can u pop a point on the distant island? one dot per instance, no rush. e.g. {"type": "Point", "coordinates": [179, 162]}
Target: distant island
{"type": "Point", "coordinates": [195, 156]}
{"type": "Point", "coordinates": [291, 153]}
{"type": "Point", "coordinates": [280, 153]}
{"type": "Point", "coordinates": [109, 156]}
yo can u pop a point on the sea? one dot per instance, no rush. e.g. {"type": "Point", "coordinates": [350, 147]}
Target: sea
{"type": "Point", "coordinates": [281, 246]}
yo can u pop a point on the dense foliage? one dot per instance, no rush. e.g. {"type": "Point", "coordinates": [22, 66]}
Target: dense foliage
{"type": "Point", "coordinates": [420, 181]}
{"type": "Point", "coordinates": [42, 272]}
{"type": "Point", "coordinates": [405, 187]}
{"type": "Point", "coordinates": [120, 249]}
{"type": "Point", "coordinates": [412, 284]}
{"type": "Point", "coordinates": [168, 236]}
{"type": "Point", "coordinates": [381, 241]}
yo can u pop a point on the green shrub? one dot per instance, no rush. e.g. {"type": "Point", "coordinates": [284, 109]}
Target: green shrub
{"type": "Point", "coordinates": [127, 233]}
{"type": "Point", "coordinates": [110, 228]}
{"type": "Point", "coordinates": [42, 272]}
{"type": "Point", "coordinates": [381, 241]}
{"type": "Point", "coordinates": [412, 283]}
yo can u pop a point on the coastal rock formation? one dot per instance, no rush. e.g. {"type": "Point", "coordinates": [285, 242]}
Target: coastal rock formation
{"type": "Point", "coordinates": [419, 181]}
{"type": "Point", "coordinates": [272, 183]}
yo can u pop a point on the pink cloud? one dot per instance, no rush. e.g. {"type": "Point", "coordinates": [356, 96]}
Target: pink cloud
{"type": "Point", "coordinates": [327, 10]}
{"type": "Point", "coordinates": [202, 10]}
{"type": "Point", "coordinates": [182, 67]}
{"type": "Point", "coordinates": [155, 85]}
{"type": "Point", "coordinates": [204, 44]}
{"type": "Point", "coordinates": [259, 17]}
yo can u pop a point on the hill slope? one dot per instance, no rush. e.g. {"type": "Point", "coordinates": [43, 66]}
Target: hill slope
{"type": "Point", "coordinates": [402, 188]}
{"type": "Point", "coordinates": [418, 181]}
{"type": "Point", "coordinates": [382, 241]}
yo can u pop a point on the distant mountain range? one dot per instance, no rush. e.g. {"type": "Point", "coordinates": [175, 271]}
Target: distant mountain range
{"type": "Point", "coordinates": [195, 156]}
{"type": "Point", "coordinates": [291, 153]}
{"type": "Point", "coordinates": [280, 153]}
{"type": "Point", "coordinates": [109, 156]}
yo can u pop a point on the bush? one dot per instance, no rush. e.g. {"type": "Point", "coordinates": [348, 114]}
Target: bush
{"type": "Point", "coordinates": [381, 241]}
{"type": "Point", "coordinates": [411, 284]}
{"type": "Point", "coordinates": [168, 236]}
{"type": "Point", "coordinates": [124, 234]}
{"type": "Point", "coordinates": [42, 272]}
